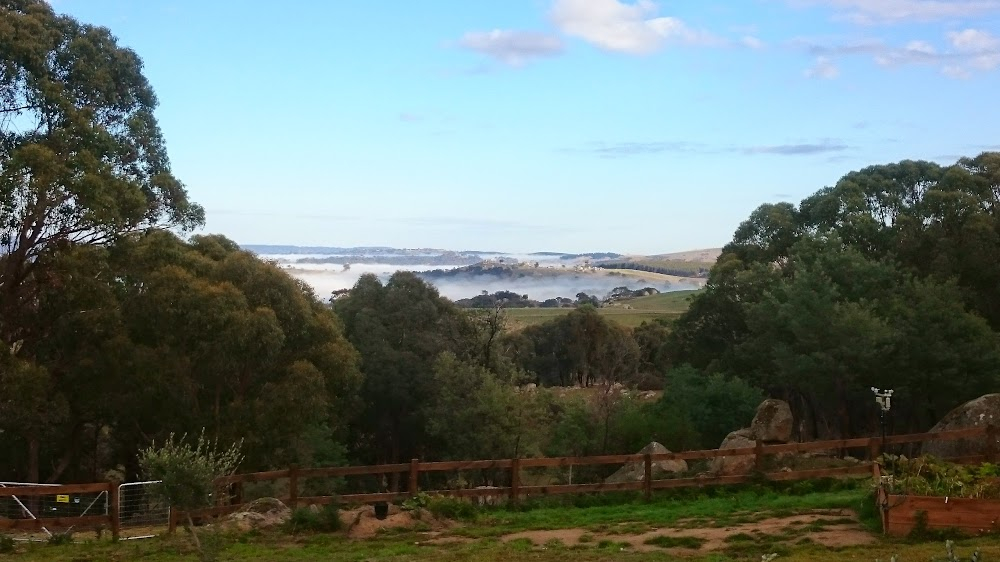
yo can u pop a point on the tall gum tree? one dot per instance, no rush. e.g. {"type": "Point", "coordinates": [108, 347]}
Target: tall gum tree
{"type": "Point", "coordinates": [82, 159]}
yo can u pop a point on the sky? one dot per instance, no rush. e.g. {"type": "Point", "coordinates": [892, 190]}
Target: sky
{"type": "Point", "coordinates": [547, 125]}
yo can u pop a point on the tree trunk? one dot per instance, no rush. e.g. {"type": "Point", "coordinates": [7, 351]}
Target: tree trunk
{"type": "Point", "coordinates": [194, 535]}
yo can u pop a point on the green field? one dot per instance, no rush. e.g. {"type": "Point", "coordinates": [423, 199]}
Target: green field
{"type": "Point", "coordinates": [798, 524]}
{"type": "Point", "coordinates": [664, 305]}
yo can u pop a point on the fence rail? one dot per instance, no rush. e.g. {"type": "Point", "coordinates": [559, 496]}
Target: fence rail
{"type": "Point", "coordinates": [515, 491]}
{"type": "Point", "coordinates": [112, 518]}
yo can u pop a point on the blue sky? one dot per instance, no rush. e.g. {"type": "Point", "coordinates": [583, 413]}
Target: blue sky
{"type": "Point", "coordinates": [567, 125]}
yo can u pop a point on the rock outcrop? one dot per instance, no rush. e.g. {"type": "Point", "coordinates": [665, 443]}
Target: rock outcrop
{"type": "Point", "coordinates": [772, 423]}
{"type": "Point", "coordinates": [636, 471]}
{"type": "Point", "coordinates": [263, 513]}
{"type": "Point", "coordinates": [738, 464]}
{"type": "Point", "coordinates": [982, 411]}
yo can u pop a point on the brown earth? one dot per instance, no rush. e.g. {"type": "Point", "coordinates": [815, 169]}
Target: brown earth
{"type": "Point", "coordinates": [792, 528]}
{"type": "Point", "coordinates": [361, 523]}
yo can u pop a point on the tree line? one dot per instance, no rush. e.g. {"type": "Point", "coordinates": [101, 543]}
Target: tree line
{"type": "Point", "coordinates": [118, 327]}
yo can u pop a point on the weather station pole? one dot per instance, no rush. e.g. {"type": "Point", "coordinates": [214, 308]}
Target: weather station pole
{"type": "Point", "coordinates": [884, 400]}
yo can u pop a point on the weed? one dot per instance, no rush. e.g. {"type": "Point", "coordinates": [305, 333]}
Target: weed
{"type": "Point", "coordinates": [6, 544]}
{"type": "Point", "coordinates": [587, 537]}
{"type": "Point", "coordinates": [451, 508]}
{"type": "Point", "coordinates": [325, 520]}
{"type": "Point", "coordinates": [59, 539]}
{"type": "Point", "coordinates": [676, 542]}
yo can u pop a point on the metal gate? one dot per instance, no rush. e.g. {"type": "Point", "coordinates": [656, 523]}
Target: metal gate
{"type": "Point", "coordinates": [54, 505]}
{"type": "Point", "coordinates": [140, 513]}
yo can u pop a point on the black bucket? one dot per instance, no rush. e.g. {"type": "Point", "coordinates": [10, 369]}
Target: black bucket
{"type": "Point", "coordinates": [381, 510]}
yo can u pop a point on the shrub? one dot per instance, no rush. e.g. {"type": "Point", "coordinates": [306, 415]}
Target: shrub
{"type": "Point", "coordinates": [188, 473]}
{"type": "Point", "coordinates": [451, 508]}
{"type": "Point", "coordinates": [324, 520]}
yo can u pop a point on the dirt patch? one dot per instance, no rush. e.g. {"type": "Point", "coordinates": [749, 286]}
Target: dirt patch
{"type": "Point", "coordinates": [361, 523]}
{"type": "Point", "coordinates": [831, 528]}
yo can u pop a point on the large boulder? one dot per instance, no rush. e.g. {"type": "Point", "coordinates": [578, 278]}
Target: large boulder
{"type": "Point", "coordinates": [982, 411]}
{"type": "Point", "coordinates": [737, 464]}
{"type": "Point", "coordinates": [773, 422]}
{"type": "Point", "coordinates": [263, 513]}
{"type": "Point", "coordinates": [636, 471]}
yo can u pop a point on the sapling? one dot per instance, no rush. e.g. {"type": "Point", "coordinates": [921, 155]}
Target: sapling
{"type": "Point", "coordinates": [188, 472]}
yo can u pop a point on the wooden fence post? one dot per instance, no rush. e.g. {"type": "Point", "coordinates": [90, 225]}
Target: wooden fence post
{"type": "Point", "coordinates": [515, 481]}
{"type": "Point", "coordinates": [114, 504]}
{"type": "Point", "coordinates": [874, 449]}
{"type": "Point", "coordinates": [172, 520]}
{"type": "Point", "coordinates": [991, 442]}
{"type": "Point", "coordinates": [238, 493]}
{"type": "Point", "coordinates": [647, 476]}
{"type": "Point", "coordinates": [293, 486]}
{"type": "Point", "coordinates": [414, 473]}
{"type": "Point", "coordinates": [758, 456]}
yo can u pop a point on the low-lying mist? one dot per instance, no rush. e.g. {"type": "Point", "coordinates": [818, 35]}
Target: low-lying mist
{"type": "Point", "coordinates": [326, 278]}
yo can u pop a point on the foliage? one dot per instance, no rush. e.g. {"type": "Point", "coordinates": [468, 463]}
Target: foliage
{"type": "Point", "coordinates": [889, 279]}
{"type": "Point", "coordinates": [710, 405]}
{"type": "Point", "coordinates": [60, 538]}
{"type": "Point", "coordinates": [324, 520]}
{"type": "Point", "coordinates": [7, 545]}
{"type": "Point", "coordinates": [82, 163]}
{"type": "Point", "coordinates": [188, 471]}
{"type": "Point", "coordinates": [451, 508]}
{"type": "Point", "coordinates": [929, 476]}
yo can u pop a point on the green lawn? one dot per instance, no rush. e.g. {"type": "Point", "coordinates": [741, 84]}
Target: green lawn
{"type": "Point", "coordinates": [664, 305]}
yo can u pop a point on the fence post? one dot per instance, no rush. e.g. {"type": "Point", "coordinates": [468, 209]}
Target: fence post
{"type": "Point", "coordinates": [874, 448]}
{"type": "Point", "coordinates": [293, 486]}
{"type": "Point", "coordinates": [991, 442]}
{"type": "Point", "coordinates": [172, 521]}
{"type": "Point", "coordinates": [515, 480]}
{"type": "Point", "coordinates": [758, 456]}
{"type": "Point", "coordinates": [114, 499]}
{"type": "Point", "coordinates": [414, 472]}
{"type": "Point", "coordinates": [238, 492]}
{"type": "Point", "coordinates": [647, 476]}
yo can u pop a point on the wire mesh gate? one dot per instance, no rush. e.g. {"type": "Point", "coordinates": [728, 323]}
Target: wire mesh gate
{"type": "Point", "coordinates": [48, 506]}
{"type": "Point", "coordinates": [141, 515]}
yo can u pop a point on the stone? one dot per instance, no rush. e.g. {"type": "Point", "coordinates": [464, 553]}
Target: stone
{"type": "Point", "coordinates": [636, 471]}
{"type": "Point", "coordinates": [982, 411]}
{"type": "Point", "coordinates": [738, 464]}
{"type": "Point", "coordinates": [263, 513]}
{"type": "Point", "coordinates": [773, 422]}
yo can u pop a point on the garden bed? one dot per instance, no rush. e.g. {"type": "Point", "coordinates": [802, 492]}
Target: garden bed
{"type": "Point", "coordinates": [925, 494]}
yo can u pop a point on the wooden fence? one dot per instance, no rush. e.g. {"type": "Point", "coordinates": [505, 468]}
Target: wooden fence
{"type": "Point", "coordinates": [515, 491]}
{"type": "Point", "coordinates": [513, 467]}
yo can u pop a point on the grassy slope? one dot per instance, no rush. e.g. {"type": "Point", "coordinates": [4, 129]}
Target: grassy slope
{"type": "Point", "coordinates": [665, 305]}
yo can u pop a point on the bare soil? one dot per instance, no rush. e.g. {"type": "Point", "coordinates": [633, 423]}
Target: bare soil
{"type": "Point", "coordinates": [361, 523]}
{"type": "Point", "coordinates": [793, 528]}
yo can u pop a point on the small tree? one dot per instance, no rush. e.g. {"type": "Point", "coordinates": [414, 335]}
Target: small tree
{"type": "Point", "coordinates": [188, 472]}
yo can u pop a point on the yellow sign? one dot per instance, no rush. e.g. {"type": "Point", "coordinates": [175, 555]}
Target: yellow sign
{"type": "Point", "coordinates": [62, 498]}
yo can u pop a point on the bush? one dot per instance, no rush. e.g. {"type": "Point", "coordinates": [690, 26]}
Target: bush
{"type": "Point", "coordinates": [324, 520]}
{"type": "Point", "coordinates": [451, 508]}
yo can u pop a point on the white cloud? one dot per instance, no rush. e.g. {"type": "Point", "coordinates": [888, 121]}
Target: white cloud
{"type": "Point", "coordinates": [956, 72]}
{"type": "Point", "coordinates": [869, 12]}
{"type": "Point", "coordinates": [510, 46]}
{"type": "Point", "coordinates": [752, 42]}
{"type": "Point", "coordinates": [823, 68]}
{"type": "Point", "coordinates": [981, 48]}
{"type": "Point", "coordinates": [628, 28]}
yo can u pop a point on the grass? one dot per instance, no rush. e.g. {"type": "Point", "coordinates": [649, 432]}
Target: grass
{"type": "Point", "coordinates": [693, 543]}
{"type": "Point", "coordinates": [666, 306]}
{"type": "Point", "coordinates": [709, 508]}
